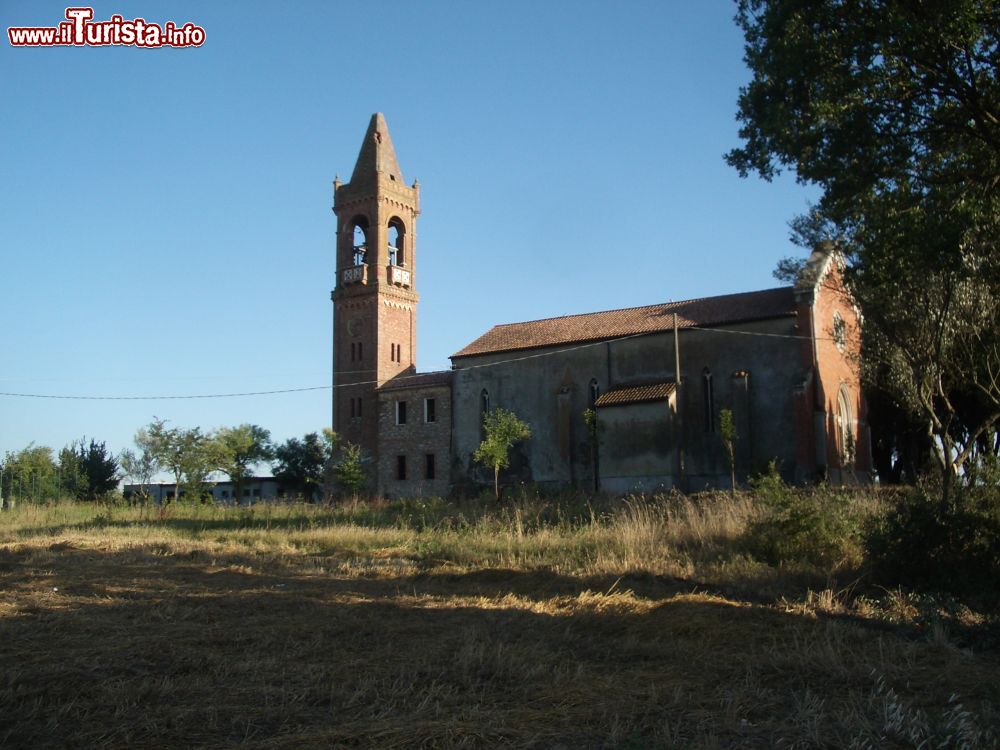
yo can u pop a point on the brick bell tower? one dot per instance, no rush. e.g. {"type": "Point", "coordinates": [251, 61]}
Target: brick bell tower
{"type": "Point", "coordinates": [375, 302]}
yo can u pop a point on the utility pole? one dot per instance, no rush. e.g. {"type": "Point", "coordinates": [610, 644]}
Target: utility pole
{"type": "Point", "coordinates": [680, 409]}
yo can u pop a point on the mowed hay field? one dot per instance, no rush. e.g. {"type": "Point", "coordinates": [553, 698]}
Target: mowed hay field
{"type": "Point", "coordinates": [294, 626]}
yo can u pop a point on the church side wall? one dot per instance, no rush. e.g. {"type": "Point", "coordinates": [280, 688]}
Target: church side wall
{"type": "Point", "coordinates": [550, 391]}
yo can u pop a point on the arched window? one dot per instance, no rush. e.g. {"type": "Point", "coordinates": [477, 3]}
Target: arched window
{"type": "Point", "coordinates": [595, 391]}
{"type": "Point", "coordinates": [359, 239]}
{"type": "Point", "coordinates": [845, 427]}
{"type": "Point", "coordinates": [484, 402]}
{"type": "Point", "coordinates": [397, 233]}
{"type": "Point", "coordinates": [708, 390]}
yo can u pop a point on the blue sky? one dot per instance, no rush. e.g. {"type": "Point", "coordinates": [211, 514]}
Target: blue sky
{"type": "Point", "coordinates": [165, 216]}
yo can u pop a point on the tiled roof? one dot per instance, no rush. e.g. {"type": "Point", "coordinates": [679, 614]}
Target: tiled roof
{"type": "Point", "coordinates": [636, 394]}
{"type": "Point", "coordinates": [707, 311]}
{"type": "Point", "coordinates": [422, 380]}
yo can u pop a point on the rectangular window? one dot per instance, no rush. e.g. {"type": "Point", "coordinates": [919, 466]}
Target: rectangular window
{"type": "Point", "coordinates": [392, 352]}
{"type": "Point", "coordinates": [256, 493]}
{"type": "Point", "coordinates": [429, 466]}
{"type": "Point", "coordinates": [400, 467]}
{"type": "Point", "coordinates": [400, 412]}
{"type": "Point", "coordinates": [430, 414]}
{"type": "Point", "coordinates": [246, 493]}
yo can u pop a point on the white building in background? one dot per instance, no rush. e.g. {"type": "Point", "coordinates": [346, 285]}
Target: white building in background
{"type": "Point", "coordinates": [255, 489]}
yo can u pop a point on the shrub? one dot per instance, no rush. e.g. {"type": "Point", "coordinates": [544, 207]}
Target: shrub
{"type": "Point", "coordinates": [805, 526]}
{"type": "Point", "coordinates": [949, 546]}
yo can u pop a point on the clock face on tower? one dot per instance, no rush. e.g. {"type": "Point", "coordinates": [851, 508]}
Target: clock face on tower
{"type": "Point", "coordinates": [354, 326]}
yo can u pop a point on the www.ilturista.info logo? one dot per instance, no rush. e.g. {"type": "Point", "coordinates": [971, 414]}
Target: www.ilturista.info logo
{"type": "Point", "coordinates": [79, 30]}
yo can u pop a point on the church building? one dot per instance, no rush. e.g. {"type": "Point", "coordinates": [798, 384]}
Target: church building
{"type": "Point", "coordinates": [783, 361]}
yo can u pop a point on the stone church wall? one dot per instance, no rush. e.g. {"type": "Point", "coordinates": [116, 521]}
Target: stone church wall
{"type": "Point", "coordinates": [549, 391]}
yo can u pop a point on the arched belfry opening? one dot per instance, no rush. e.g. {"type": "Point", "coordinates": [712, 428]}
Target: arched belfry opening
{"type": "Point", "coordinates": [397, 236]}
{"type": "Point", "coordinates": [359, 240]}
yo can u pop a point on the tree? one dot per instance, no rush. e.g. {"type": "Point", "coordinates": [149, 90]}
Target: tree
{"type": "Point", "coordinates": [348, 470]}
{"type": "Point", "coordinates": [593, 442]}
{"type": "Point", "coordinates": [30, 474]}
{"type": "Point", "coordinates": [72, 479]}
{"type": "Point", "coordinates": [140, 466]}
{"type": "Point", "coordinates": [236, 450]}
{"type": "Point", "coordinates": [299, 464]}
{"type": "Point", "coordinates": [184, 453]}
{"type": "Point", "coordinates": [503, 429]}
{"type": "Point", "coordinates": [727, 431]}
{"type": "Point", "coordinates": [893, 109]}
{"type": "Point", "coordinates": [99, 470]}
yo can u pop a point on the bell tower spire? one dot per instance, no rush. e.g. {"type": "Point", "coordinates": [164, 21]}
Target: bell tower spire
{"type": "Point", "coordinates": [375, 299]}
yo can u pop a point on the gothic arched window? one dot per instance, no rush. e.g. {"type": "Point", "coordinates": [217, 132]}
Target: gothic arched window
{"type": "Point", "coordinates": [484, 402]}
{"type": "Point", "coordinates": [845, 427]}
{"type": "Point", "coordinates": [595, 391]}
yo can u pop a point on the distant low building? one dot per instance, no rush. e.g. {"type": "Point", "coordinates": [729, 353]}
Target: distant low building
{"type": "Point", "coordinates": [255, 489]}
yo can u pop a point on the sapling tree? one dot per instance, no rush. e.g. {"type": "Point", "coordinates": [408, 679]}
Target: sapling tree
{"type": "Point", "coordinates": [727, 431]}
{"type": "Point", "coordinates": [348, 470]}
{"type": "Point", "coordinates": [503, 429]}
{"type": "Point", "coordinates": [590, 420]}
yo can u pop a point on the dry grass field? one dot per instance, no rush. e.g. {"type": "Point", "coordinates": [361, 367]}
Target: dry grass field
{"type": "Point", "coordinates": [294, 626]}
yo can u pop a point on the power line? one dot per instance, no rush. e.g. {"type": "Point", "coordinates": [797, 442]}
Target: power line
{"type": "Point", "coordinates": [401, 377]}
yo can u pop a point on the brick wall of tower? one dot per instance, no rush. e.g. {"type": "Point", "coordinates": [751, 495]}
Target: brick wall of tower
{"type": "Point", "coordinates": [396, 336]}
{"type": "Point", "coordinates": [373, 312]}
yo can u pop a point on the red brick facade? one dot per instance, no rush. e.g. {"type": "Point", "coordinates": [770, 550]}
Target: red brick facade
{"type": "Point", "coordinates": [832, 417]}
{"type": "Point", "coordinates": [375, 302]}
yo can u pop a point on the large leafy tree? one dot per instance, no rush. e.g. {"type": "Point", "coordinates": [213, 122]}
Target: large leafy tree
{"type": "Point", "coordinates": [237, 450]}
{"type": "Point", "coordinates": [300, 464]}
{"type": "Point", "coordinates": [893, 109]}
{"type": "Point", "coordinates": [185, 453]}
{"type": "Point", "coordinates": [503, 429]}
{"type": "Point", "coordinates": [29, 473]}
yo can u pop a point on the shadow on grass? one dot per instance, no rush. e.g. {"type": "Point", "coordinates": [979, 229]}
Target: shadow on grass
{"type": "Point", "coordinates": [141, 649]}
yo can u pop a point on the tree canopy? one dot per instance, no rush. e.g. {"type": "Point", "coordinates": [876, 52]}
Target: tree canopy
{"type": "Point", "coordinates": [893, 109]}
{"type": "Point", "coordinates": [300, 464]}
{"type": "Point", "coordinates": [236, 450]}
